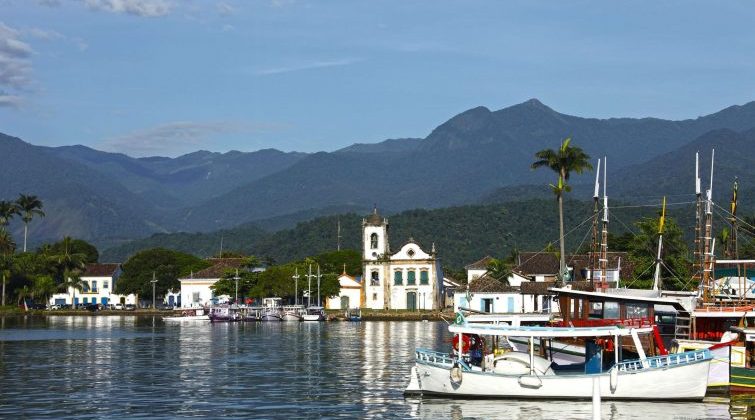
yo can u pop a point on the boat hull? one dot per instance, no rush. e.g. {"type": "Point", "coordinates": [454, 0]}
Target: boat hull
{"type": "Point", "coordinates": [270, 318]}
{"type": "Point", "coordinates": [686, 382]}
{"type": "Point", "coordinates": [742, 380]}
{"type": "Point", "coordinates": [312, 318]}
{"type": "Point", "coordinates": [291, 317]}
{"type": "Point", "coordinates": [203, 318]}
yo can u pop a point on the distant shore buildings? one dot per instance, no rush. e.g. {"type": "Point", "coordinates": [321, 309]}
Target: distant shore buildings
{"type": "Point", "coordinates": [98, 285]}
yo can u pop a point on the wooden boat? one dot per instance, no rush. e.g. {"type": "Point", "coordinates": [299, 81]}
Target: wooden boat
{"type": "Point", "coordinates": [188, 315]}
{"type": "Point", "coordinates": [225, 313]}
{"type": "Point", "coordinates": [476, 370]}
{"type": "Point", "coordinates": [271, 310]}
{"type": "Point", "coordinates": [293, 312]}
{"type": "Point", "coordinates": [353, 314]}
{"type": "Point", "coordinates": [314, 313]}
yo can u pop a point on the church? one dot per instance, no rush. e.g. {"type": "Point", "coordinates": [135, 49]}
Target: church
{"type": "Point", "coordinates": [409, 278]}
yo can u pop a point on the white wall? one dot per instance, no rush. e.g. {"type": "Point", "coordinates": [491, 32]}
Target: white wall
{"type": "Point", "coordinates": [351, 293]}
{"type": "Point", "coordinates": [502, 302]}
{"type": "Point", "coordinates": [200, 287]}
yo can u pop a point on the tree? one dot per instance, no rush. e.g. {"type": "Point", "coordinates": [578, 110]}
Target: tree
{"type": "Point", "coordinates": [7, 248]}
{"type": "Point", "coordinates": [73, 246]}
{"type": "Point", "coordinates": [43, 287]}
{"type": "Point", "coordinates": [499, 270]}
{"type": "Point", "coordinates": [66, 260]}
{"type": "Point", "coordinates": [72, 281]}
{"type": "Point", "coordinates": [29, 206]}
{"type": "Point", "coordinates": [643, 250]}
{"type": "Point", "coordinates": [563, 161]}
{"type": "Point", "coordinates": [167, 265]}
{"type": "Point", "coordinates": [8, 209]}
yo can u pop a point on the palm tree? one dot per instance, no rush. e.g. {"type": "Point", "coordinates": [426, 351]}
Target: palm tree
{"type": "Point", "coordinates": [43, 287]}
{"type": "Point", "coordinates": [563, 161]}
{"type": "Point", "coordinates": [69, 266]}
{"type": "Point", "coordinates": [8, 209]}
{"type": "Point", "coordinates": [7, 248]}
{"type": "Point", "coordinates": [499, 270]}
{"type": "Point", "coordinates": [29, 206]}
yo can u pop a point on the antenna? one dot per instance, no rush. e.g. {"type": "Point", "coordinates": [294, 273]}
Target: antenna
{"type": "Point", "coordinates": [605, 196]}
{"type": "Point", "coordinates": [596, 194]}
{"type": "Point", "coordinates": [697, 173]}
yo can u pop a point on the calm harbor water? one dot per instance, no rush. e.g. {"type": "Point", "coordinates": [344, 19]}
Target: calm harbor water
{"type": "Point", "coordinates": [131, 367]}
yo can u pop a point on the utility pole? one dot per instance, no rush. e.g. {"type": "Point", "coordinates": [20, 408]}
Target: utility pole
{"type": "Point", "coordinates": [338, 242]}
{"type": "Point", "coordinates": [154, 282]}
{"type": "Point", "coordinates": [237, 278]}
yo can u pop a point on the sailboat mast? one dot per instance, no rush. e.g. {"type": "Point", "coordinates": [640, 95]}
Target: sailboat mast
{"type": "Point", "coordinates": [309, 287]}
{"type": "Point", "coordinates": [318, 286]}
{"type": "Point", "coordinates": [733, 243]}
{"type": "Point", "coordinates": [708, 244]}
{"type": "Point", "coordinates": [697, 263]}
{"type": "Point", "coordinates": [296, 286]}
{"type": "Point", "coordinates": [661, 223]}
{"type": "Point", "coordinates": [604, 239]}
{"type": "Point", "coordinates": [595, 245]}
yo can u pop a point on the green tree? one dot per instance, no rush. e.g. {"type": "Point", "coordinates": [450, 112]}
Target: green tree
{"type": "Point", "coordinates": [167, 265]}
{"type": "Point", "coordinates": [43, 287]}
{"type": "Point", "coordinates": [29, 206]}
{"type": "Point", "coordinates": [643, 250]}
{"type": "Point", "coordinates": [67, 260]}
{"type": "Point", "coordinates": [7, 248]}
{"type": "Point", "coordinates": [71, 283]}
{"type": "Point", "coordinates": [8, 209]}
{"type": "Point", "coordinates": [500, 270]}
{"type": "Point", "coordinates": [73, 246]}
{"type": "Point", "coordinates": [564, 161]}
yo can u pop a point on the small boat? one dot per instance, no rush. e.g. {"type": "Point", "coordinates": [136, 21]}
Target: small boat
{"type": "Point", "coordinates": [314, 313]}
{"type": "Point", "coordinates": [293, 312]}
{"type": "Point", "coordinates": [271, 309]}
{"type": "Point", "coordinates": [353, 314]}
{"type": "Point", "coordinates": [225, 313]}
{"type": "Point", "coordinates": [474, 369]}
{"type": "Point", "coordinates": [188, 315]}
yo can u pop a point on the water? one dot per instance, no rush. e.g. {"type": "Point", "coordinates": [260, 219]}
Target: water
{"type": "Point", "coordinates": [132, 367]}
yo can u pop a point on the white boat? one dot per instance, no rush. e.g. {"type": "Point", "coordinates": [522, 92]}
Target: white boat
{"type": "Point", "coordinates": [314, 313]}
{"type": "Point", "coordinates": [517, 374]}
{"type": "Point", "coordinates": [188, 315]}
{"type": "Point", "coordinates": [293, 312]}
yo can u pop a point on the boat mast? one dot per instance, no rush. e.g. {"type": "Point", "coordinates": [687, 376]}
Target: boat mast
{"type": "Point", "coordinates": [309, 287]}
{"type": "Point", "coordinates": [595, 245]}
{"type": "Point", "coordinates": [296, 286]}
{"type": "Point", "coordinates": [661, 223]}
{"type": "Point", "coordinates": [697, 263]}
{"type": "Point", "coordinates": [733, 246]}
{"type": "Point", "coordinates": [604, 234]}
{"type": "Point", "coordinates": [708, 241]}
{"type": "Point", "coordinates": [318, 285]}
{"type": "Point", "coordinates": [338, 236]}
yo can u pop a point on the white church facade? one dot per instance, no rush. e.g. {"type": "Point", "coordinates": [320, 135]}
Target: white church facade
{"type": "Point", "coordinates": [409, 278]}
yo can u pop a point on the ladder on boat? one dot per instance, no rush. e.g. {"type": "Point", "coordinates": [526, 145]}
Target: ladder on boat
{"type": "Point", "coordinates": [682, 326]}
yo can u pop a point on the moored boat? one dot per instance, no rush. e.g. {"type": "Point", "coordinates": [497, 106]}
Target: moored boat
{"type": "Point", "coordinates": [353, 314]}
{"type": "Point", "coordinates": [188, 315]}
{"type": "Point", "coordinates": [477, 370]}
{"type": "Point", "coordinates": [225, 313]}
{"type": "Point", "coordinates": [293, 312]}
{"type": "Point", "coordinates": [314, 313]}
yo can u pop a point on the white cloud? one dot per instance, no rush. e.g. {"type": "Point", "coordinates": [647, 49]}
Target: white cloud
{"type": "Point", "coordinates": [179, 137]}
{"type": "Point", "coordinates": [309, 66]}
{"type": "Point", "coordinates": [15, 66]}
{"type": "Point", "coordinates": [144, 8]}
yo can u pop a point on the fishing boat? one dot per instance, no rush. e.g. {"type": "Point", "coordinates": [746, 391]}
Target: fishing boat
{"type": "Point", "coordinates": [271, 310]}
{"type": "Point", "coordinates": [293, 312]}
{"type": "Point", "coordinates": [314, 313]}
{"type": "Point", "coordinates": [225, 313]}
{"type": "Point", "coordinates": [188, 315]}
{"type": "Point", "coordinates": [475, 369]}
{"type": "Point", "coordinates": [353, 314]}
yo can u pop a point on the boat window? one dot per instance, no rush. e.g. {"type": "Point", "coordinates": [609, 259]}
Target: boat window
{"type": "Point", "coordinates": [611, 310]}
{"type": "Point", "coordinates": [596, 310]}
{"type": "Point", "coordinates": [635, 310]}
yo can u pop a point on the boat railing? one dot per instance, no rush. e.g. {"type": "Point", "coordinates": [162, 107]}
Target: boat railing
{"type": "Point", "coordinates": [675, 359]}
{"type": "Point", "coordinates": [629, 322]}
{"type": "Point", "coordinates": [438, 358]}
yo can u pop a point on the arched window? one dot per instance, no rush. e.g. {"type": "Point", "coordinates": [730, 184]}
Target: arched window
{"type": "Point", "coordinates": [373, 241]}
{"type": "Point", "coordinates": [374, 279]}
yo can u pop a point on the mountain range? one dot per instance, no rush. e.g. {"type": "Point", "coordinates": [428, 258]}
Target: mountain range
{"type": "Point", "coordinates": [476, 156]}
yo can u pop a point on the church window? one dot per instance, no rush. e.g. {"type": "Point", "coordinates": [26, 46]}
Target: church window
{"type": "Point", "coordinates": [410, 252]}
{"type": "Point", "coordinates": [398, 278]}
{"type": "Point", "coordinates": [374, 279]}
{"type": "Point", "coordinates": [374, 241]}
{"type": "Point", "coordinates": [374, 296]}
{"type": "Point", "coordinates": [411, 277]}
{"type": "Point", "coordinates": [424, 277]}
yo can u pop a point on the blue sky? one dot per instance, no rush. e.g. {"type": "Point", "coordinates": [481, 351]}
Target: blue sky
{"type": "Point", "coordinates": [166, 77]}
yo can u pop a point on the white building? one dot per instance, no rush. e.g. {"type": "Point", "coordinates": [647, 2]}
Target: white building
{"type": "Point", "coordinates": [407, 279]}
{"type": "Point", "coordinates": [350, 295]}
{"type": "Point", "coordinates": [196, 289]}
{"type": "Point", "coordinates": [98, 281]}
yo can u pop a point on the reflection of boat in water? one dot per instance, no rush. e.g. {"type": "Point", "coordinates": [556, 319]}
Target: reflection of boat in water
{"type": "Point", "coordinates": [353, 314]}
{"type": "Point", "coordinates": [225, 313]}
{"type": "Point", "coordinates": [474, 370]}
{"type": "Point", "coordinates": [188, 315]}
{"type": "Point", "coordinates": [314, 313]}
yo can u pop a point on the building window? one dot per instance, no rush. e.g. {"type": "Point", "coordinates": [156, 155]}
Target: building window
{"type": "Point", "coordinates": [424, 277]}
{"type": "Point", "coordinates": [411, 277]}
{"type": "Point", "coordinates": [398, 278]}
{"type": "Point", "coordinates": [195, 297]}
{"type": "Point", "coordinates": [105, 284]}
{"type": "Point", "coordinates": [373, 241]}
{"type": "Point", "coordinates": [374, 296]}
{"type": "Point", "coordinates": [86, 300]}
{"type": "Point", "coordinates": [94, 286]}
{"type": "Point", "coordinates": [374, 279]}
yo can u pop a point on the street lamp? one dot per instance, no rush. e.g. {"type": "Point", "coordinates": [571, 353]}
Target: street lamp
{"type": "Point", "coordinates": [236, 278]}
{"type": "Point", "coordinates": [153, 281]}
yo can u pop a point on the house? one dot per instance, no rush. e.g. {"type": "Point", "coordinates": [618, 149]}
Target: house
{"type": "Point", "coordinates": [98, 281]}
{"type": "Point", "coordinates": [410, 278]}
{"type": "Point", "coordinates": [350, 295]}
{"type": "Point", "coordinates": [450, 286]}
{"type": "Point", "coordinates": [478, 268]}
{"type": "Point", "coordinates": [195, 289]}
{"type": "Point", "coordinates": [544, 266]}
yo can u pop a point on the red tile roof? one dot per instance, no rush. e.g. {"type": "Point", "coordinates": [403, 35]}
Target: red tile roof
{"type": "Point", "coordinates": [219, 268]}
{"type": "Point", "coordinates": [100, 270]}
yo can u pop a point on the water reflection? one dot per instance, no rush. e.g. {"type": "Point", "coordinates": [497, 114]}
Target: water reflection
{"type": "Point", "coordinates": [98, 366]}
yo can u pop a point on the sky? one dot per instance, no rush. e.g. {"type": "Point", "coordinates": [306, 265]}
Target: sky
{"type": "Point", "coordinates": [168, 77]}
